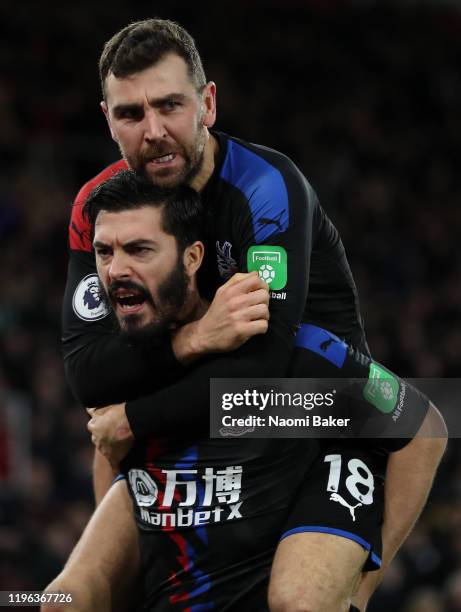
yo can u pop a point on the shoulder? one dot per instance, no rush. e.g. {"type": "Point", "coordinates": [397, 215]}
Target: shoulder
{"type": "Point", "coordinates": [276, 191]}
{"type": "Point", "coordinates": [79, 230]}
{"type": "Point", "coordinates": [255, 162]}
{"type": "Point", "coordinates": [258, 170]}
{"type": "Point", "coordinates": [105, 174]}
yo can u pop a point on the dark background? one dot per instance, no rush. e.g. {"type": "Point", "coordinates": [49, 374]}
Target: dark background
{"type": "Point", "coordinates": [364, 96]}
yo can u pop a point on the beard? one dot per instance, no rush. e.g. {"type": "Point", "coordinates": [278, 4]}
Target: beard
{"type": "Point", "coordinates": [192, 155]}
{"type": "Point", "coordinates": [171, 297]}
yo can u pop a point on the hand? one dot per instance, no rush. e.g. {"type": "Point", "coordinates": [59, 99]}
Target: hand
{"type": "Point", "coordinates": [111, 432]}
{"type": "Point", "coordinates": [368, 584]}
{"type": "Point", "coordinates": [239, 310]}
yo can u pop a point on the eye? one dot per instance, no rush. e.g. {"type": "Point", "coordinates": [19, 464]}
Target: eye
{"type": "Point", "coordinates": [138, 250]}
{"type": "Point", "coordinates": [171, 104]}
{"type": "Point", "coordinates": [102, 252]}
{"type": "Point", "coordinates": [130, 113]}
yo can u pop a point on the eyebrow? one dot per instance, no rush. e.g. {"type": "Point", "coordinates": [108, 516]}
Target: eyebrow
{"type": "Point", "coordinates": [97, 244]}
{"type": "Point", "coordinates": [153, 102]}
{"type": "Point", "coordinates": [120, 109]}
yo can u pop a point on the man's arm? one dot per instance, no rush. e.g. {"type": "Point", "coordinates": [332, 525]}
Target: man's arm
{"type": "Point", "coordinates": [409, 477]}
{"type": "Point", "coordinates": [103, 476]}
{"type": "Point", "coordinates": [114, 427]}
{"type": "Point", "coordinates": [239, 310]}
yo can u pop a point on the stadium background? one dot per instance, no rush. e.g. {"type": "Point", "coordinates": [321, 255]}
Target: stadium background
{"type": "Point", "coordinates": [364, 96]}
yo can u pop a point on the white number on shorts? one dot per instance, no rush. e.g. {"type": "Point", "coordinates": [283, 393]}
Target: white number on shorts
{"type": "Point", "coordinates": [335, 471]}
{"type": "Point", "coordinates": [355, 477]}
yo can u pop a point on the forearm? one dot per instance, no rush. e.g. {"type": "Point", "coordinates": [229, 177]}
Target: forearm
{"type": "Point", "coordinates": [187, 345]}
{"type": "Point", "coordinates": [409, 477]}
{"type": "Point", "coordinates": [188, 401]}
{"type": "Point", "coordinates": [105, 370]}
{"type": "Point", "coordinates": [103, 476]}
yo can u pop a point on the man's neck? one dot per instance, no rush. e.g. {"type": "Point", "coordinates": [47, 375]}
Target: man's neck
{"type": "Point", "coordinates": [195, 309]}
{"type": "Point", "coordinates": [210, 153]}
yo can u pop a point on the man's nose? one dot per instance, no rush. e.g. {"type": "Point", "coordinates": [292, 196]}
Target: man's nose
{"type": "Point", "coordinates": [154, 128]}
{"type": "Point", "coordinates": [120, 267]}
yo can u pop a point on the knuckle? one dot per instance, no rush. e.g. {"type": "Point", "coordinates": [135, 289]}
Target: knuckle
{"type": "Point", "coordinates": [235, 324]}
{"type": "Point", "coordinates": [239, 329]}
{"type": "Point", "coordinates": [263, 296]}
{"type": "Point", "coordinates": [263, 309]}
{"type": "Point", "coordinates": [234, 305]}
{"type": "Point", "coordinates": [265, 288]}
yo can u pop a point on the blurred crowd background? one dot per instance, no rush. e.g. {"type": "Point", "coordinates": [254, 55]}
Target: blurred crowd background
{"type": "Point", "coordinates": [364, 96]}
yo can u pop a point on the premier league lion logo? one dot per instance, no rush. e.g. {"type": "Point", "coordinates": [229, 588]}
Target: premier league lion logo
{"type": "Point", "coordinates": [92, 296]}
{"type": "Point", "coordinates": [88, 303]}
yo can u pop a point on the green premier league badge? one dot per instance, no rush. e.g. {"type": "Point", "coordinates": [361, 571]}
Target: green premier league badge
{"type": "Point", "coordinates": [271, 264]}
{"type": "Point", "coordinates": [381, 389]}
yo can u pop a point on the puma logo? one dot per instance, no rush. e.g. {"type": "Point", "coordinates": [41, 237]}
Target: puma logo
{"type": "Point", "coordinates": [324, 346]}
{"type": "Point", "coordinates": [338, 498]}
{"type": "Point", "coordinates": [275, 221]}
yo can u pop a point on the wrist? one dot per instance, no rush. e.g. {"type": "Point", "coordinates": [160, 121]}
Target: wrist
{"type": "Point", "coordinates": [188, 344]}
{"type": "Point", "coordinates": [368, 585]}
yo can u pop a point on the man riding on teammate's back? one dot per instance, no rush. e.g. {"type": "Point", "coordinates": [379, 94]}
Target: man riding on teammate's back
{"type": "Point", "coordinates": [159, 108]}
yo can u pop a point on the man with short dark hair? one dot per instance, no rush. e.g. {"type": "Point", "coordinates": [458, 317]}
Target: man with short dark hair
{"type": "Point", "coordinates": [262, 215]}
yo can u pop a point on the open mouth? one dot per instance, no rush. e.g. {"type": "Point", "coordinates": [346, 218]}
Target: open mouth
{"type": "Point", "coordinates": [164, 159]}
{"type": "Point", "coordinates": [129, 300]}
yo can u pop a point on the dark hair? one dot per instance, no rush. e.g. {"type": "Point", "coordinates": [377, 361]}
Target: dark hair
{"type": "Point", "coordinates": [143, 43]}
{"type": "Point", "coordinates": [182, 211]}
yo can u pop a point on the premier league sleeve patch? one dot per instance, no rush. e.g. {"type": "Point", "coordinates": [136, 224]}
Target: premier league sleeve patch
{"type": "Point", "coordinates": [88, 302]}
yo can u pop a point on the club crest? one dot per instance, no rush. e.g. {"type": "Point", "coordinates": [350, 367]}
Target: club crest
{"type": "Point", "coordinates": [227, 265]}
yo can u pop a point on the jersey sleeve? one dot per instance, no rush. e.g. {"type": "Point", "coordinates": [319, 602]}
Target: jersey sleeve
{"type": "Point", "coordinates": [388, 410]}
{"type": "Point", "coordinates": [288, 199]}
{"type": "Point", "coordinates": [100, 367]}
{"type": "Point", "coordinates": [385, 411]}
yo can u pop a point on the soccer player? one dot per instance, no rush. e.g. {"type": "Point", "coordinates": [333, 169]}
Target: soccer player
{"type": "Point", "coordinates": [211, 498]}
{"type": "Point", "coordinates": [260, 209]}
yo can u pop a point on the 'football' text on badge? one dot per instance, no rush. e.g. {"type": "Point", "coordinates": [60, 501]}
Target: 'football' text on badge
{"type": "Point", "coordinates": [271, 264]}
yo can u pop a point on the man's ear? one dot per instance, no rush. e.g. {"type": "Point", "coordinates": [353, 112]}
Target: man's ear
{"type": "Point", "coordinates": [193, 257]}
{"type": "Point", "coordinates": [105, 110]}
{"type": "Point", "coordinates": [209, 102]}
